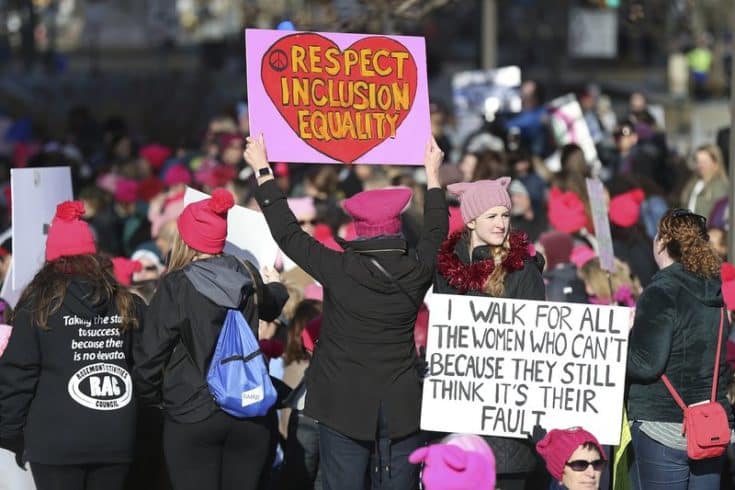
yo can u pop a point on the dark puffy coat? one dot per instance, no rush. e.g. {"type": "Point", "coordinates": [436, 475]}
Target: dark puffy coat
{"type": "Point", "coordinates": [183, 322]}
{"type": "Point", "coordinates": [675, 333]}
{"type": "Point", "coordinates": [366, 354]}
{"type": "Point", "coordinates": [511, 455]}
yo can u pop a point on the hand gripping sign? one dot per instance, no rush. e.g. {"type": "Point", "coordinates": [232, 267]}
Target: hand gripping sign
{"type": "Point", "coordinates": [338, 98]}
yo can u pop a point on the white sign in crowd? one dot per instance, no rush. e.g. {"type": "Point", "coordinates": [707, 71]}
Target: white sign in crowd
{"type": "Point", "coordinates": [500, 366]}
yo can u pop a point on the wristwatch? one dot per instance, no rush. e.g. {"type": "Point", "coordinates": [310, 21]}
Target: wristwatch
{"type": "Point", "coordinates": [264, 172]}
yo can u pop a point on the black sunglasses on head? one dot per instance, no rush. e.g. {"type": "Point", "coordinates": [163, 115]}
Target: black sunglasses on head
{"type": "Point", "coordinates": [582, 464]}
{"type": "Point", "coordinates": [702, 221]}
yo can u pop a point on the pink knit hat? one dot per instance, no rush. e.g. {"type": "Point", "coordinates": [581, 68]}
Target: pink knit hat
{"type": "Point", "coordinates": [378, 212]}
{"type": "Point", "coordinates": [451, 467]}
{"type": "Point", "coordinates": [177, 174]}
{"type": "Point", "coordinates": [203, 224]}
{"type": "Point", "coordinates": [558, 446]}
{"type": "Point", "coordinates": [581, 254]}
{"type": "Point", "coordinates": [69, 235]}
{"type": "Point", "coordinates": [126, 191]}
{"type": "Point", "coordinates": [477, 197]}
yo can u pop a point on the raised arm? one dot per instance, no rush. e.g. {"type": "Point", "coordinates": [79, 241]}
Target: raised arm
{"type": "Point", "coordinates": [436, 215]}
{"type": "Point", "coordinates": [316, 259]}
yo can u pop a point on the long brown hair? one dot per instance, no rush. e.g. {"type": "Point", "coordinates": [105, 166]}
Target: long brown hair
{"type": "Point", "coordinates": [45, 294]}
{"type": "Point", "coordinates": [684, 236]}
{"type": "Point", "coordinates": [306, 311]}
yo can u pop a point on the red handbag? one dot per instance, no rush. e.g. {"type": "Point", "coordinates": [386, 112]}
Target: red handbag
{"type": "Point", "coordinates": [705, 423]}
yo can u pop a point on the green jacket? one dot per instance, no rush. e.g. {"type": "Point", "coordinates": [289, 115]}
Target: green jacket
{"type": "Point", "coordinates": [713, 191]}
{"type": "Point", "coordinates": [675, 333]}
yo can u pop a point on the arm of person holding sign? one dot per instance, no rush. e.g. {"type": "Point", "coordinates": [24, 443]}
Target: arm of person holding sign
{"type": "Point", "coordinates": [436, 222]}
{"type": "Point", "coordinates": [316, 259]}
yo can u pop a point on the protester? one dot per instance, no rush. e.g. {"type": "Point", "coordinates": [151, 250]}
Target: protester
{"type": "Point", "coordinates": [709, 185]}
{"type": "Point", "coordinates": [489, 259]}
{"type": "Point", "coordinates": [574, 459]}
{"type": "Point", "coordinates": [675, 333]}
{"type": "Point", "coordinates": [204, 446]}
{"type": "Point", "coordinates": [66, 401]}
{"type": "Point", "coordinates": [362, 381]}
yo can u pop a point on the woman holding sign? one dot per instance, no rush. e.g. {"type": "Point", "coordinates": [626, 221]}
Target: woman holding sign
{"type": "Point", "coordinates": [672, 352]}
{"type": "Point", "coordinates": [486, 258]}
{"type": "Point", "coordinates": [364, 385]}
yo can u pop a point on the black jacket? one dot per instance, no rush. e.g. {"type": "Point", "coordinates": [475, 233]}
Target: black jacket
{"type": "Point", "coordinates": [183, 323]}
{"type": "Point", "coordinates": [563, 284]}
{"type": "Point", "coordinates": [366, 355]}
{"type": "Point", "coordinates": [511, 455]}
{"type": "Point", "coordinates": [675, 333]}
{"type": "Point", "coordinates": [68, 388]}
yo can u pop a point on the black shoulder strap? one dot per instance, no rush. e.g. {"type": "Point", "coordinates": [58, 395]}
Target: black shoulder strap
{"type": "Point", "coordinates": [257, 281]}
{"type": "Point", "coordinates": [395, 282]}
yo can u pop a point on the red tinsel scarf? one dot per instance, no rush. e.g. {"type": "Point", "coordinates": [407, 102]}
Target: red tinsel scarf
{"type": "Point", "coordinates": [472, 277]}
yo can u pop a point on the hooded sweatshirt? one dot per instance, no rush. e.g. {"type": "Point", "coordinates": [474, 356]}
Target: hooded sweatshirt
{"type": "Point", "coordinates": [675, 333]}
{"type": "Point", "coordinates": [184, 320]}
{"type": "Point", "coordinates": [67, 388]}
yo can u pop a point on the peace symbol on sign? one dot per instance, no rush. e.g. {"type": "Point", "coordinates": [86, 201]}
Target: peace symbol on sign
{"type": "Point", "coordinates": [278, 60]}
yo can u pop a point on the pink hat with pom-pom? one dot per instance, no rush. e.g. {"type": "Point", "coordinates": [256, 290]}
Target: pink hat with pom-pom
{"type": "Point", "coordinates": [68, 235]}
{"type": "Point", "coordinates": [203, 224]}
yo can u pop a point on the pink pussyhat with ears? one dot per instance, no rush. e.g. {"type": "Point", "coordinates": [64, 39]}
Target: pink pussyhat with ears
{"type": "Point", "coordinates": [452, 467]}
{"type": "Point", "coordinates": [477, 197]}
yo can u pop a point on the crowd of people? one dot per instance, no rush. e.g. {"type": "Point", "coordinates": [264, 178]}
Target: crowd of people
{"type": "Point", "coordinates": [104, 380]}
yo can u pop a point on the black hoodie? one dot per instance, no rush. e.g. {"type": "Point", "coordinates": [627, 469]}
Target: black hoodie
{"type": "Point", "coordinates": [68, 388]}
{"type": "Point", "coordinates": [183, 324]}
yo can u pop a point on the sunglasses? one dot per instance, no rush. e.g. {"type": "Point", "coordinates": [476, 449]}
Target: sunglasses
{"type": "Point", "coordinates": [311, 222]}
{"type": "Point", "coordinates": [582, 465]}
{"type": "Point", "coordinates": [150, 268]}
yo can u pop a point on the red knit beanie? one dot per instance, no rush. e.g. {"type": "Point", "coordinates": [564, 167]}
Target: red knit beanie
{"type": "Point", "coordinates": [566, 211]}
{"type": "Point", "coordinates": [203, 224]}
{"type": "Point", "coordinates": [68, 234]}
{"type": "Point", "coordinates": [124, 269]}
{"type": "Point", "coordinates": [378, 212]}
{"type": "Point", "coordinates": [727, 274]}
{"type": "Point", "coordinates": [558, 446]}
{"type": "Point", "coordinates": [625, 209]}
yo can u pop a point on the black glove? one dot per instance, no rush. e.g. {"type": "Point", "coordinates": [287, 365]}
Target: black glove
{"type": "Point", "coordinates": [422, 367]}
{"type": "Point", "coordinates": [538, 434]}
{"type": "Point", "coordinates": [16, 445]}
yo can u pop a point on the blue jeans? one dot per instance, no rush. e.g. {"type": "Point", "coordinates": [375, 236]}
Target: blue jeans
{"type": "Point", "coordinates": [657, 467]}
{"type": "Point", "coordinates": [351, 464]}
{"type": "Point", "coordinates": [301, 458]}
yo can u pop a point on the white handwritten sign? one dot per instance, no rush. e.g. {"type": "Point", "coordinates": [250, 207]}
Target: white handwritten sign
{"type": "Point", "coordinates": [499, 366]}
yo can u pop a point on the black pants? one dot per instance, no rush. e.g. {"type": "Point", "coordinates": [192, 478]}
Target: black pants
{"type": "Point", "coordinates": [221, 452]}
{"type": "Point", "coordinates": [300, 470]}
{"type": "Point", "coordinates": [79, 477]}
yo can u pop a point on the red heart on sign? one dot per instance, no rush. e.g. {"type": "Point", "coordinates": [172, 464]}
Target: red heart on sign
{"type": "Point", "coordinates": [342, 103]}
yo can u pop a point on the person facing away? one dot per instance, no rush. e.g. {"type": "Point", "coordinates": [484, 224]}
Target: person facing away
{"type": "Point", "coordinates": [363, 385]}
{"type": "Point", "coordinates": [204, 446]}
{"type": "Point", "coordinates": [487, 258]}
{"type": "Point", "coordinates": [675, 333]}
{"type": "Point", "coordinates": [66, 395]}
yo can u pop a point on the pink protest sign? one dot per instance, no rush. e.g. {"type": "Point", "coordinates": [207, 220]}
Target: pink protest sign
{"type": "Point", "coordinates": [338, 98]}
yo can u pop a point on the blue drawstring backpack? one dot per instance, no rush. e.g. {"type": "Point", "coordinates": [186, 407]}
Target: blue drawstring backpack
{"type": "Point", "coordinates": [238, 378]}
